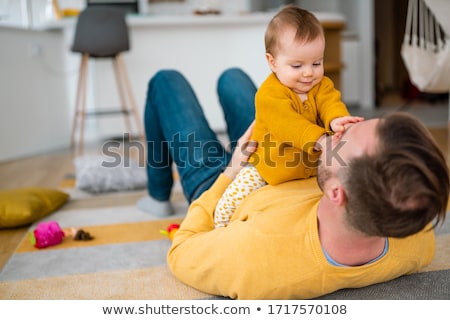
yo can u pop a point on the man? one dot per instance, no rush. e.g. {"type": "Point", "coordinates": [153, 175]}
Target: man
{"type": "Point", "coordinates": [366, 219]}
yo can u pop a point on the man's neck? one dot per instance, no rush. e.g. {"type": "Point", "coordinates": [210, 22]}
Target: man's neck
{"type": "Point", "coordinates": [342, 244]}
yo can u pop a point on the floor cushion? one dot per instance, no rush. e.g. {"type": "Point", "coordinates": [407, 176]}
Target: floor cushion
{"type": "Point", "coordinates": [23, 206]}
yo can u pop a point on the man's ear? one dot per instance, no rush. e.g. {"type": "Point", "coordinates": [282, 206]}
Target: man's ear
{"type": "Point", "coordinates": [271, 61]}
{"type": "Point", "coordinates": [337, 195]}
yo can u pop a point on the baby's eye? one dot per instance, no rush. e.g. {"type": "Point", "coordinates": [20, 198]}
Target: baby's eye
{"type": "Point", "coordinates": [296, 66]}
{"type": "Point", "coordinates": [317, 64]}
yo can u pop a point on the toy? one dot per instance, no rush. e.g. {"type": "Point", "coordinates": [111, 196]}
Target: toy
{"type": "Point", "coordinates": [171, 230]}
{"type": "Point", "coordinates": [50, 233]}
{"type": "Point", "coordinates": [46, 234]}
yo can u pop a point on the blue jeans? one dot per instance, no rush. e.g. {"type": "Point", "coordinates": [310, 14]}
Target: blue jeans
{"type": "Point", "coordinates": [178, 132]}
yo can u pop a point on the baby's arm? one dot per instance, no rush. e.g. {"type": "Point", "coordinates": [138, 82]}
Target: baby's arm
{"type": "Point", "coordinates": [338, 124]}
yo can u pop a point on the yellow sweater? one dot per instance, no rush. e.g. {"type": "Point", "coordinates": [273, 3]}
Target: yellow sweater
{"type": "Point", "coordinates": [271, 248]}
{"type": "Point", "coordinates": [287, 129]}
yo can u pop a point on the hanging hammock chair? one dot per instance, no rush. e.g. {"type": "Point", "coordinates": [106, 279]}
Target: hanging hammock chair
{"type": "Point", "coordinates": [426, 45]}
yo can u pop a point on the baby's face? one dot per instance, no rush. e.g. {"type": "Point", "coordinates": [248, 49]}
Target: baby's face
{"type": "Point", "coordinates": [298, 65]}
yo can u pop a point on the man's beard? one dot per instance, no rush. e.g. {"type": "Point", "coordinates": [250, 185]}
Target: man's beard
{"type": "Point", "coordinates": [323, 175]}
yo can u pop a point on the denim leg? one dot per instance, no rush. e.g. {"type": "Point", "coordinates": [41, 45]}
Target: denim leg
{"type": "Point", "coordinates": [180, 133]}
{"type": "Point", "coordinates": [159, 161]}
{"type": "Point", "coordinates": [237, 96]}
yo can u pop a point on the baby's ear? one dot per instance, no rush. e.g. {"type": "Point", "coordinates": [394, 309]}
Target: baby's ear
{"type": "Point", "coordinates": [271, 61]}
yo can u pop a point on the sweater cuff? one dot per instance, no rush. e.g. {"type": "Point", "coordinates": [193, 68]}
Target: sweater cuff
{"type": "Point", "coordinates": [314, 133]}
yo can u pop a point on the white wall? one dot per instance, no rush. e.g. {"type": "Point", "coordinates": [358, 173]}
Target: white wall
{"type": "Point", "coordinates": [33, 97]}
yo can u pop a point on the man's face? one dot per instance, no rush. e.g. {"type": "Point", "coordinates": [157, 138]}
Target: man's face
{"type": "Point", "coordinates": [358, 139]}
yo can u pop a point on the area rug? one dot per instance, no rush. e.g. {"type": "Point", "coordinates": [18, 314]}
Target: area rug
{"type": "Point", "coordinates": [127, 259]}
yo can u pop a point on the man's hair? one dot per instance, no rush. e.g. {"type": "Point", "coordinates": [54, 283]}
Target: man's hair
{"type": "Point", "coordinates": [403, 186]}
{"type": "Point", "coordinates": [307, 25]}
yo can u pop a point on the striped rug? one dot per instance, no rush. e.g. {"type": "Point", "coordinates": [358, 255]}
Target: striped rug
{"type": "Point", "coordinates": [125, 260]}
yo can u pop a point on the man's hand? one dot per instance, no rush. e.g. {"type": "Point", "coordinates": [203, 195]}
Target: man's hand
{"type": "Point", "coordinates": [241, 153]}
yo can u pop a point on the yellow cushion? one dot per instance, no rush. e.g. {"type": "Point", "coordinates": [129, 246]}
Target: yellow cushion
{"type": "Point", "coordinates": [23, 206]}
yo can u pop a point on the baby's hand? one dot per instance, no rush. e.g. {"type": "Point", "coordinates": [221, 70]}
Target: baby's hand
{"type": "Point", "coordinates": [338, 124]}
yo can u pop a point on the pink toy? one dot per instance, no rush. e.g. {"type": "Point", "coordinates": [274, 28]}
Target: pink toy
{"type": "Point", "coordinates": [50, 233]}
{"type": "Point", "coordinates": [47, 234]}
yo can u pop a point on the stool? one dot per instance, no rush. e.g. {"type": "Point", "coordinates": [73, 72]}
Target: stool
{"type": "Point", "coordinates": [102, 32]}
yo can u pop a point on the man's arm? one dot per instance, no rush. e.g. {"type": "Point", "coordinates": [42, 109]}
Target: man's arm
{"type": "Point", "coordinates": [197, 246]}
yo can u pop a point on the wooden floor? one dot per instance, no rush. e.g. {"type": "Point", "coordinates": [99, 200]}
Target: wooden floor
{"type": "Point", "coordinates": [49, 171]}
{"type": "Point", "coordinates": [44, 171]}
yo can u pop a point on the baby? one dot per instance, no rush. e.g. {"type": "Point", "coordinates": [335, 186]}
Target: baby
{"type": "Point", "coordinates": [295, 106]}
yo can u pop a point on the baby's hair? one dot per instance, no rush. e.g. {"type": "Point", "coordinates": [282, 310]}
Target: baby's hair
{"type": "Point", "coordinates": [307, 26]}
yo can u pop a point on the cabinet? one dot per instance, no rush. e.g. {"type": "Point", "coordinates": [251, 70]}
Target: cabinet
{"type": "Point", "coordinates": [358, 41]}
{"type": "Point", "coordinates": [333, 57]}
